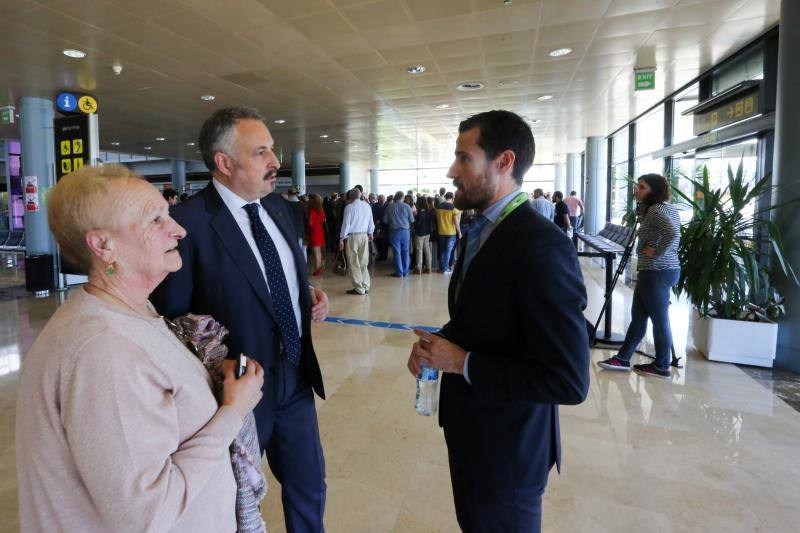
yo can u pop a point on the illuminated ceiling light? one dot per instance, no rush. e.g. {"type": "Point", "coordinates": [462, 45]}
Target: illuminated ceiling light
{"type": "Point", "coordinates": [76, 54]}
{"type": "Point", "coordinates": [148, 147]}
{"type": "Point", "coordinates": [443, 106]}
{"type": "Point", "coordinates": [545, 97]}
{"type": "Point", "coordinates": [208, 97]}
{"type": "Point", "coordinates": [337, 141]}
{"type": "Point", "coordinates": [535, 120]}
{"type": "Point", "coordinates": [189, 144]}
{"type": "Point", "coordinates": [560, 52]}
{"type": "Point", "coordinates": [508, 83]}
{"type": "Point", "coordinates": [280, 121]}
{"type": "Point", "coordinates": [470, 86]}
{"type": "Point", "coordinates": [416, 69]}
{"type": "Point", "coordinates": [160, 139]}
{"type": "Point", "coordinates": [115, 143]}
{"type": "Point", "coordinates": [324, 136]}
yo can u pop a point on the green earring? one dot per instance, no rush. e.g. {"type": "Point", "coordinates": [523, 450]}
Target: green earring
{"type": "Point", "coordinates": [110, 269]}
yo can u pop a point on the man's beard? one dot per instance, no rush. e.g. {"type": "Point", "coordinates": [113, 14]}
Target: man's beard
{"type": "Point", "coordinates": [478, 198]}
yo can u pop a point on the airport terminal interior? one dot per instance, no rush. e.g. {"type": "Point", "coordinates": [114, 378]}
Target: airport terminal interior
{"type": "Point", "coordinates": [371, 93]}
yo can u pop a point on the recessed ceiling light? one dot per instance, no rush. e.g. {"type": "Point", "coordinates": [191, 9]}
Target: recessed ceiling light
{"type": "Point", "coordinates": [443, 106]}
{"type": "Point", "coordinates": [280, 121]}
{"type": "Point", "coordinates": [114, 143]}
{"type": "Point", "coordinates": [416, 69]}
{"type": "Point", "coordinates": [545, 97]}
{"type": "Point", "coordinates": [308, 162]}
{"type": "Point", "coordinates": [535, 120]}
{"type": "Point", "coordinates": [189, 144]}
{"type": "Point", "coordinates": [354, 146]}
{"type": "Point", "coordinates": [324, 136]}
{"type": "Point", "coordinates": [559, 52]}
{"type": "Point", "coordinates": [207, 97]}
{"type": "Point", "coordinates": [148, 147]}
{"type": "Point", "coordinates": [470, 86]}
{"type": "Point", "coordinates": [508, 83]}
{"type": "Point", "coordinates": [337, 141]}
{"type": "Point", "coordinates": [71, 52]}
{"type": "Point", "coordinates": [160, 139]}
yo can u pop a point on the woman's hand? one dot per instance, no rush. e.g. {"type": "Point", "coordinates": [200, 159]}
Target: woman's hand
{"type": "Point", "coordinates": [649, 251]}
{"type": "Point", "coordinates": [243, 394]}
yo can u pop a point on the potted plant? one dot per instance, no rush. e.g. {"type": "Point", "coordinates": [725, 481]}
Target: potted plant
{"type": "Point", "coordinates": [726, 269]}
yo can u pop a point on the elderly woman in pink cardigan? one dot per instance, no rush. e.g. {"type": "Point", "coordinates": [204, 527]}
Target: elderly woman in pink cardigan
{"type": "Point", "coordinates": [117, 425]}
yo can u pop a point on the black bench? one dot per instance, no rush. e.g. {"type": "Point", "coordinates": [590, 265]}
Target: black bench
{"type": "Point", "coordinates": [14, 242]}
{"type": "Point", "coordinates": [613, 239]}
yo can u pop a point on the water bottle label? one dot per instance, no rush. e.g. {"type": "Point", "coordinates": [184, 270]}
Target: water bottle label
{"type": "Point", "coordinates": [428, 374]}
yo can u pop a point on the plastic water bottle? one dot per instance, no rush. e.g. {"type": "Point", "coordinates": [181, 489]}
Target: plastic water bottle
{"type": "Point", "coordinates": [427, 401]}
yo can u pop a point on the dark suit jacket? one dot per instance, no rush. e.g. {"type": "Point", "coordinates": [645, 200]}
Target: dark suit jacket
{"type": "Point", "coordinates": [221, 277]}
{"type": "Point", "coordinates": [519, 313]}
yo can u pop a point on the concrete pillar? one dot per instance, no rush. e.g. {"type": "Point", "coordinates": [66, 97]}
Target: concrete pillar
{"type": "Point", "coordinates": [38, 159]}
{"type": "Point", "coordinates": [786, 177]}
{"type": "Point", "coordinates": [373, 180]}
{"type": "Point", "coordinates": [596, 173]}
{"type": "Point", "coordinates": [344, 175]}
{"type": "Point", "coordinates": [299, 170]}
{"type": "Point", "coordinates": [178, 168]}
{"type": "Point", "coordinates": [574, 175]}
{"type": "Point", "coordinates": [561, 179]}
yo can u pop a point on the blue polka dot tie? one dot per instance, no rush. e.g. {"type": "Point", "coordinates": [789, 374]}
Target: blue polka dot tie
{"type": "Point", "coordinates": [278, 287]}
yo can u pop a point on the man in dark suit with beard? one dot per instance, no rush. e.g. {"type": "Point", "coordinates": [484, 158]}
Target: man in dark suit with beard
{"type": "Point", "coordinates": [516, 344]}
{"type": "Point", "coordinates": [242, 265]}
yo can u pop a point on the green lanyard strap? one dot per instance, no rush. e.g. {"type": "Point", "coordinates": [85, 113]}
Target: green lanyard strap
{"type": "Point", "coordinates": [518, 200]}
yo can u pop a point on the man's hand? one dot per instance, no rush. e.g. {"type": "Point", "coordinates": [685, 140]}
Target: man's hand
{"type": "Point", "coordinates": [435, 352]}
{"type": "Point", "coordinates": [341, 245]}
{"type": "Point", "coordinates": [369, 237]}
{"type": "Point", "coordinates": [319, 305]}
{"type": "Point", "coordinates": [649, 251]}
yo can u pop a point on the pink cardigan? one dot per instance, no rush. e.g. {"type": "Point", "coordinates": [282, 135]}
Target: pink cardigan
{"type": "Point", "coordinates": [117, 428]}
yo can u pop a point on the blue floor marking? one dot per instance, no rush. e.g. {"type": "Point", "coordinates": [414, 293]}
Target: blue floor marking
{"type": "Point", "coordinates": [376, 324]}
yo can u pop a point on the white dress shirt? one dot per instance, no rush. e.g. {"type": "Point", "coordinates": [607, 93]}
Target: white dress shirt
{"type": "Point", "coordinates": [235, 205]}
{"type": "Point", "coordinates": [357, 219]}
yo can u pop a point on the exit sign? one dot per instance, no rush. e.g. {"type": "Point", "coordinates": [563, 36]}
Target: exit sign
{"type": "Point", "coordinates": [7, 115]}
{"type": "Point", "coordinates": [644, 80]}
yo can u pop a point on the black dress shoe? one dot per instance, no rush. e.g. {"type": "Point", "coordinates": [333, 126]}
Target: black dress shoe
{"type": "Point", "coordinates": [353, 291]}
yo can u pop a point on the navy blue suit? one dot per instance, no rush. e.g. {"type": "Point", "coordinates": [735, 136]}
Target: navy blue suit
{"type": "Point", "coordinates": [519, 312]}
{"type": "Point", "coordinates": [221, 277]}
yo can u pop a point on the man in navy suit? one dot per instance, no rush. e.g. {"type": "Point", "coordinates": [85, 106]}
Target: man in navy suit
{"type": "Point", "coordinates": [516, 344]}
{"type": "Point", "coordinates": [242, 264]}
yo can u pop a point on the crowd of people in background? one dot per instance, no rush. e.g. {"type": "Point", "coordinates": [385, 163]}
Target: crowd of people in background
{"type": "Point", "coordinates": [422, 230]}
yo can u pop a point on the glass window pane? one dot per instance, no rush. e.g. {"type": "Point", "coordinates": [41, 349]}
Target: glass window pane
{"type": "Point", "coordinates": [620, 147]}
{"type": "Point", "coordinates": [619, 191]}
{"type": "Point", "coordinates": [750, 67]}
{"type": "Point", "coordinates": [650, 132]}
{"type": "Point", "coordinates": [683, 126]}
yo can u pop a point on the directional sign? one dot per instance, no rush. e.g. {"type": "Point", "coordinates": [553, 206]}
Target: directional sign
{"type": "Point", "coordinates": [644, 80]}
{"type": "Point", "coordinates": [66, 102]}
{"type": "Point", "coordinates": [743, 107]}
{"type": "Point", "coordinates": [71, 143]}
{"type": "Point", "coordinates": [7, 115]}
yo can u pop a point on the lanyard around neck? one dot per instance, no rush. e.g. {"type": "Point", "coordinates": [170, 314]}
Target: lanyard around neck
{"type": "Point", "coordinates": [517, 201]}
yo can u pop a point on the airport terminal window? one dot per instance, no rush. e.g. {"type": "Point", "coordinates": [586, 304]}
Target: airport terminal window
{"type": "Point", "coordinates": [619, 175]}
{"type": "Point", "coordinates": [683, 126]}
{"type": "Point", "coordinates": [429, 180]}
{"type": "Point", "coordinates": [749, 67]}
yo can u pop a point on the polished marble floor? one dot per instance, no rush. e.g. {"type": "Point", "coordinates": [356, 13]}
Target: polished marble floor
{"type": "Point", "coordinates": [710, 450]}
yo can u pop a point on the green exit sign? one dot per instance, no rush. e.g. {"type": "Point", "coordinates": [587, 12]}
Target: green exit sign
{"type": "Point", "coordinates": [6, 115]}
{"type": "Point", "coordinates": [644, 80]}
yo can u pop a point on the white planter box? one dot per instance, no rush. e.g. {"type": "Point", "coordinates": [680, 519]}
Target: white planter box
{"type": "Point", "coordinates": [735, 341]}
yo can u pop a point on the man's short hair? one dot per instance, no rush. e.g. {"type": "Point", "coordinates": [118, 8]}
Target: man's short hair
{"type": "Point", "coordinates": [360, 188]}
{"type": "Point", "coordinates": [501, 131]}
{"type": "Point", "coordinates": [218, 131]}
{"type": "Point", "coordinates": [442, 191]}
{"type": "Point", "coordinates": [169, 193]}
{"type": "Point", "coordinates": [538, 192]}
{"type": "Point", "coordinates": [398, 196]}
{"type": "Point", "coordinates": [558, 195]}
{"type": "Point", "coordinates": [448, 196]}
{"type": "Point", "coordinates": [354, 194]}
